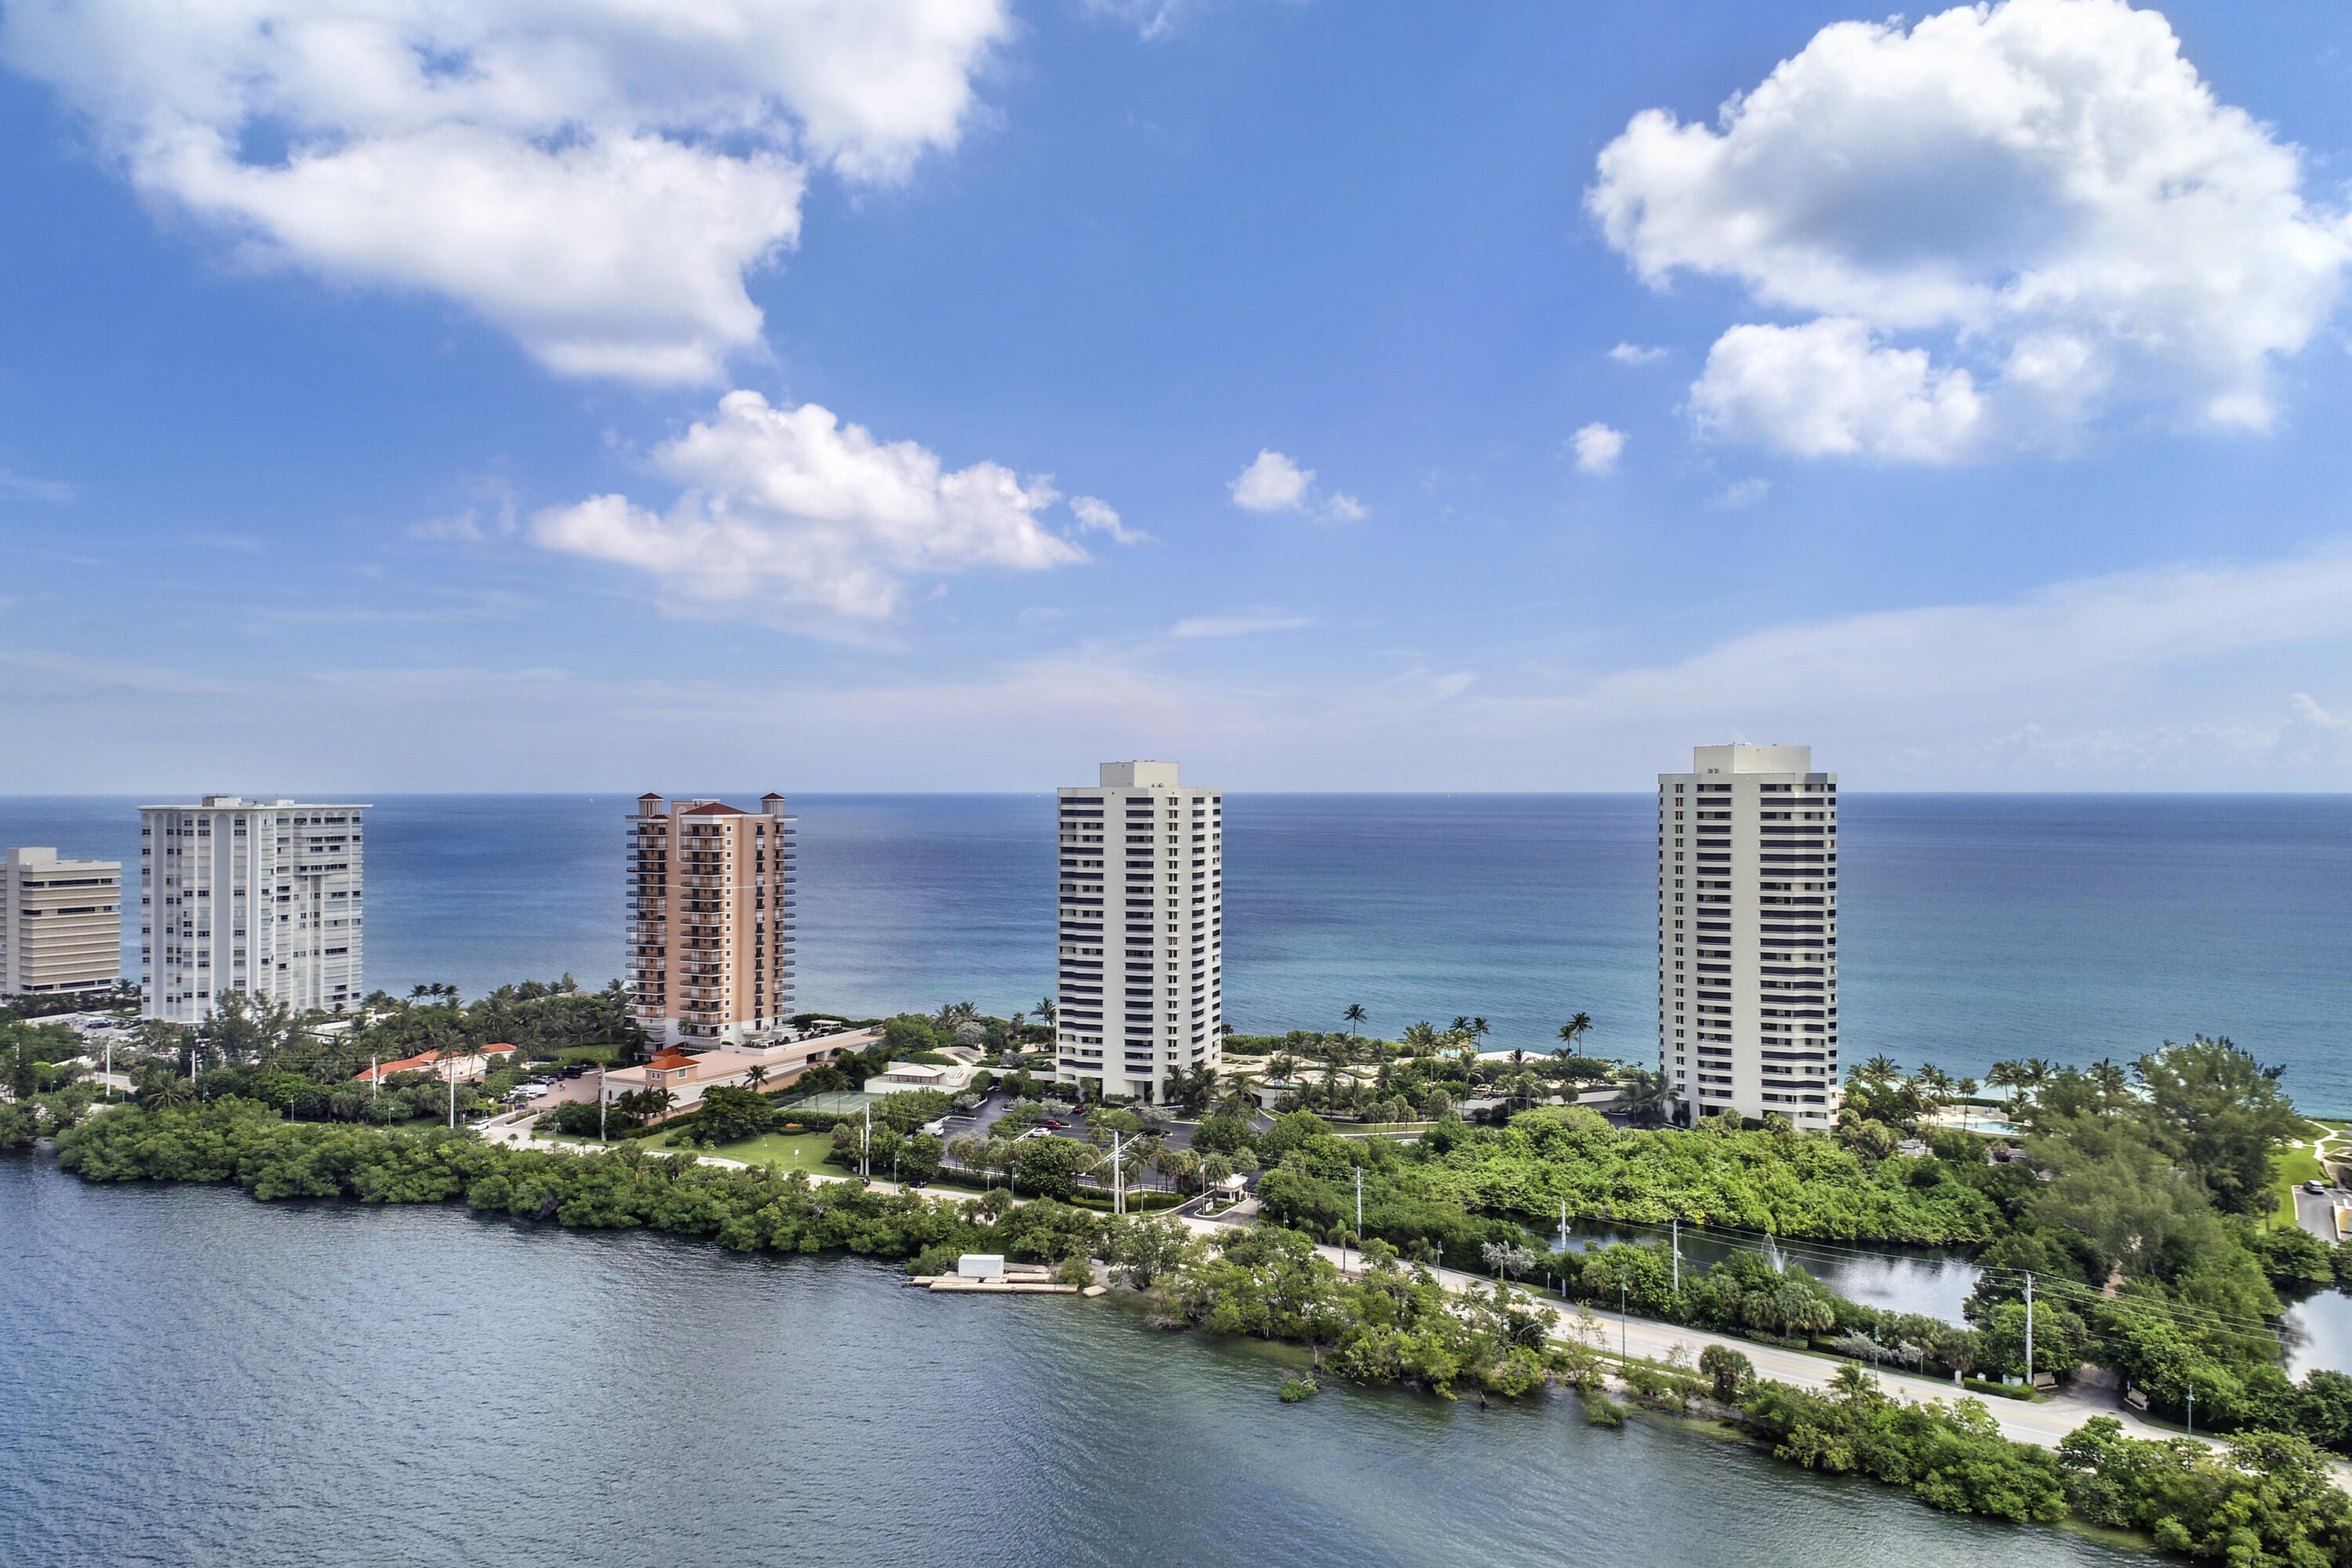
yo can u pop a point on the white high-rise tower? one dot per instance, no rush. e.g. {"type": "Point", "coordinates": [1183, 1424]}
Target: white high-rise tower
{"type": "Point", "coordinates": [1748, 1016]}
{"type": "Point", "coordinates": [1141, 976]}
{"type": "Point", "coordinates": [249, 894]}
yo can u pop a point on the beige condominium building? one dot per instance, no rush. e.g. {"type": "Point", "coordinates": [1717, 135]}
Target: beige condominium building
{"type": "Point", "coordinates": [1141, 978]}
{"type": "Point", "coordinates": [710, 929]}
{"type": "Point", "coordinates": [258, 896]}
{"type": "Point", "coordinates": [1747, 1014]}
{"type": "Point", "coordinates": [60, 924]}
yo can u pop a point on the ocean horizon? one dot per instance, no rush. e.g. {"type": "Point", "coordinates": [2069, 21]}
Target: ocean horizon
{"type": "Point", "coordinates": [1974, 927]}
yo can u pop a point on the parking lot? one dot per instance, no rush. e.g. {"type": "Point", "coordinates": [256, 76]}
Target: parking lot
{"type": "Point", "coordinates": [564, 1090]}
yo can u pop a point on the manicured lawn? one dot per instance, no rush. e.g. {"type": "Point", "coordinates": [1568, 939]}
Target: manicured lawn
{"type": "Point", "coordinates": [788, 1151]}
{"type": "Point", "coordinates": [804, 1151]}
{"type": "Point", "coordinates": [2293, 1164]}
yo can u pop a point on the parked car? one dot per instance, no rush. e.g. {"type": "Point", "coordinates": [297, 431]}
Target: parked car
{"type": "Point", "coordinates": [575, 1070]}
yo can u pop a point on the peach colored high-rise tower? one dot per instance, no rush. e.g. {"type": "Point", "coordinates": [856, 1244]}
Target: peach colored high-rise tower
{"type": "Point", "coordinates": [710, 926]}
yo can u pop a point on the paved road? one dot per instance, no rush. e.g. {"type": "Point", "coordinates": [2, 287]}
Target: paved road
{"type": "Point", "coordinates": [2043, 1422]}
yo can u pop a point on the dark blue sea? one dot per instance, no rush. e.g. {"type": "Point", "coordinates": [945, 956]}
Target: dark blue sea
{"type": "Point", "coordinates": [1976, 927]}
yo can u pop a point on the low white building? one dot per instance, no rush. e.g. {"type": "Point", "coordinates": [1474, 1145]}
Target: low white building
{"type": "Point", "coordinates": [688, 1077]}
{"type": "Point", "coordinates": [905, 1076]}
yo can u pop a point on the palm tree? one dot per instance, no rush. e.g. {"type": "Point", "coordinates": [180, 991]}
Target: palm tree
{"type": "Point", "coordinates": [756, 1075]}
{"type": "Point", "coordinates": [1355, 1018]}
{"type": "Point", "coordinates": [1180, 1166]}
{"type": "Point", "coordinates": [1644, 1094]}
{"type": "Point", "coordinates": [1420, 1038]}
{"type": "Point", "coordinates": [1850, 1383]}
{"type": "Point", "coordinates": [1045, 1010]}
{"type": "Point", "coordinates": [1574, 1029]}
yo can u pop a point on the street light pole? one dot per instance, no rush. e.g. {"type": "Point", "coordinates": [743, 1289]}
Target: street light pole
{"type": "Point", "coordinates": [1623, 1330]}
{"type": "Point", "coordinates": [2029, 1331]}
{"type": "Point", "coordinates": [1360, 1213]}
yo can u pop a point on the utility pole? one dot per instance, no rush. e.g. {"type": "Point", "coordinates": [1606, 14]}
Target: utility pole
{"type": "Point", "coordinates": [1117, 1177]}
{"type": "Point", "coordinates": [1678, 1222]}
{"type": "Point", "coordinates": [1623, 1354]}
{"type": "Point", "coordinates": [2192, 1413]}
{"type": "Point", "coordinates": [604, 1104]}
{"type": "Point", "coordinates": [453, 1092]}
{"type": "Point", "coordinates": [375, 1074]}
{"type": "Point", "coordinates": [1360, 1215]}
{"type": "Point", "coordinates": [865, 1147]}
{"type": "Point", "coordinates": [2029, 1331]}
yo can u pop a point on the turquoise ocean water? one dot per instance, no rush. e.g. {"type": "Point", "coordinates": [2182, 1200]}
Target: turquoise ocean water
{"type": "Point", "coordinates": [1976, 927]}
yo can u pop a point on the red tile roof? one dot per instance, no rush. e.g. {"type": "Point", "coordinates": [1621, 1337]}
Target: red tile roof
{"type": "Point", "coordinates": [424, 1060]}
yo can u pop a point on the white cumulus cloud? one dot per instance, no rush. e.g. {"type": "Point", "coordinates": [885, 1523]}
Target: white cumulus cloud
{"type": "Point", "coordinates": [594, 178]}
{"type": "Point", "coordinates": [2043, 192]}
{"type": "Point", "coordinates": [792, 516]}
{"type": "Point", "coordinates": [1636, 354]}
{"type": "Point", "coordinates": [1596, 447]}
{"type": "Point", "coordinates": [1273, 483]}
{"type": "Point", "coordinates": [1096, 515]}
{"type": "Point", "coordinates": [1827, 387]}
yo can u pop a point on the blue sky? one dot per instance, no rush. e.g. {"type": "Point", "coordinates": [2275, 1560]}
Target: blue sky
{"type": "Point", "coordinates": [401, 396]}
